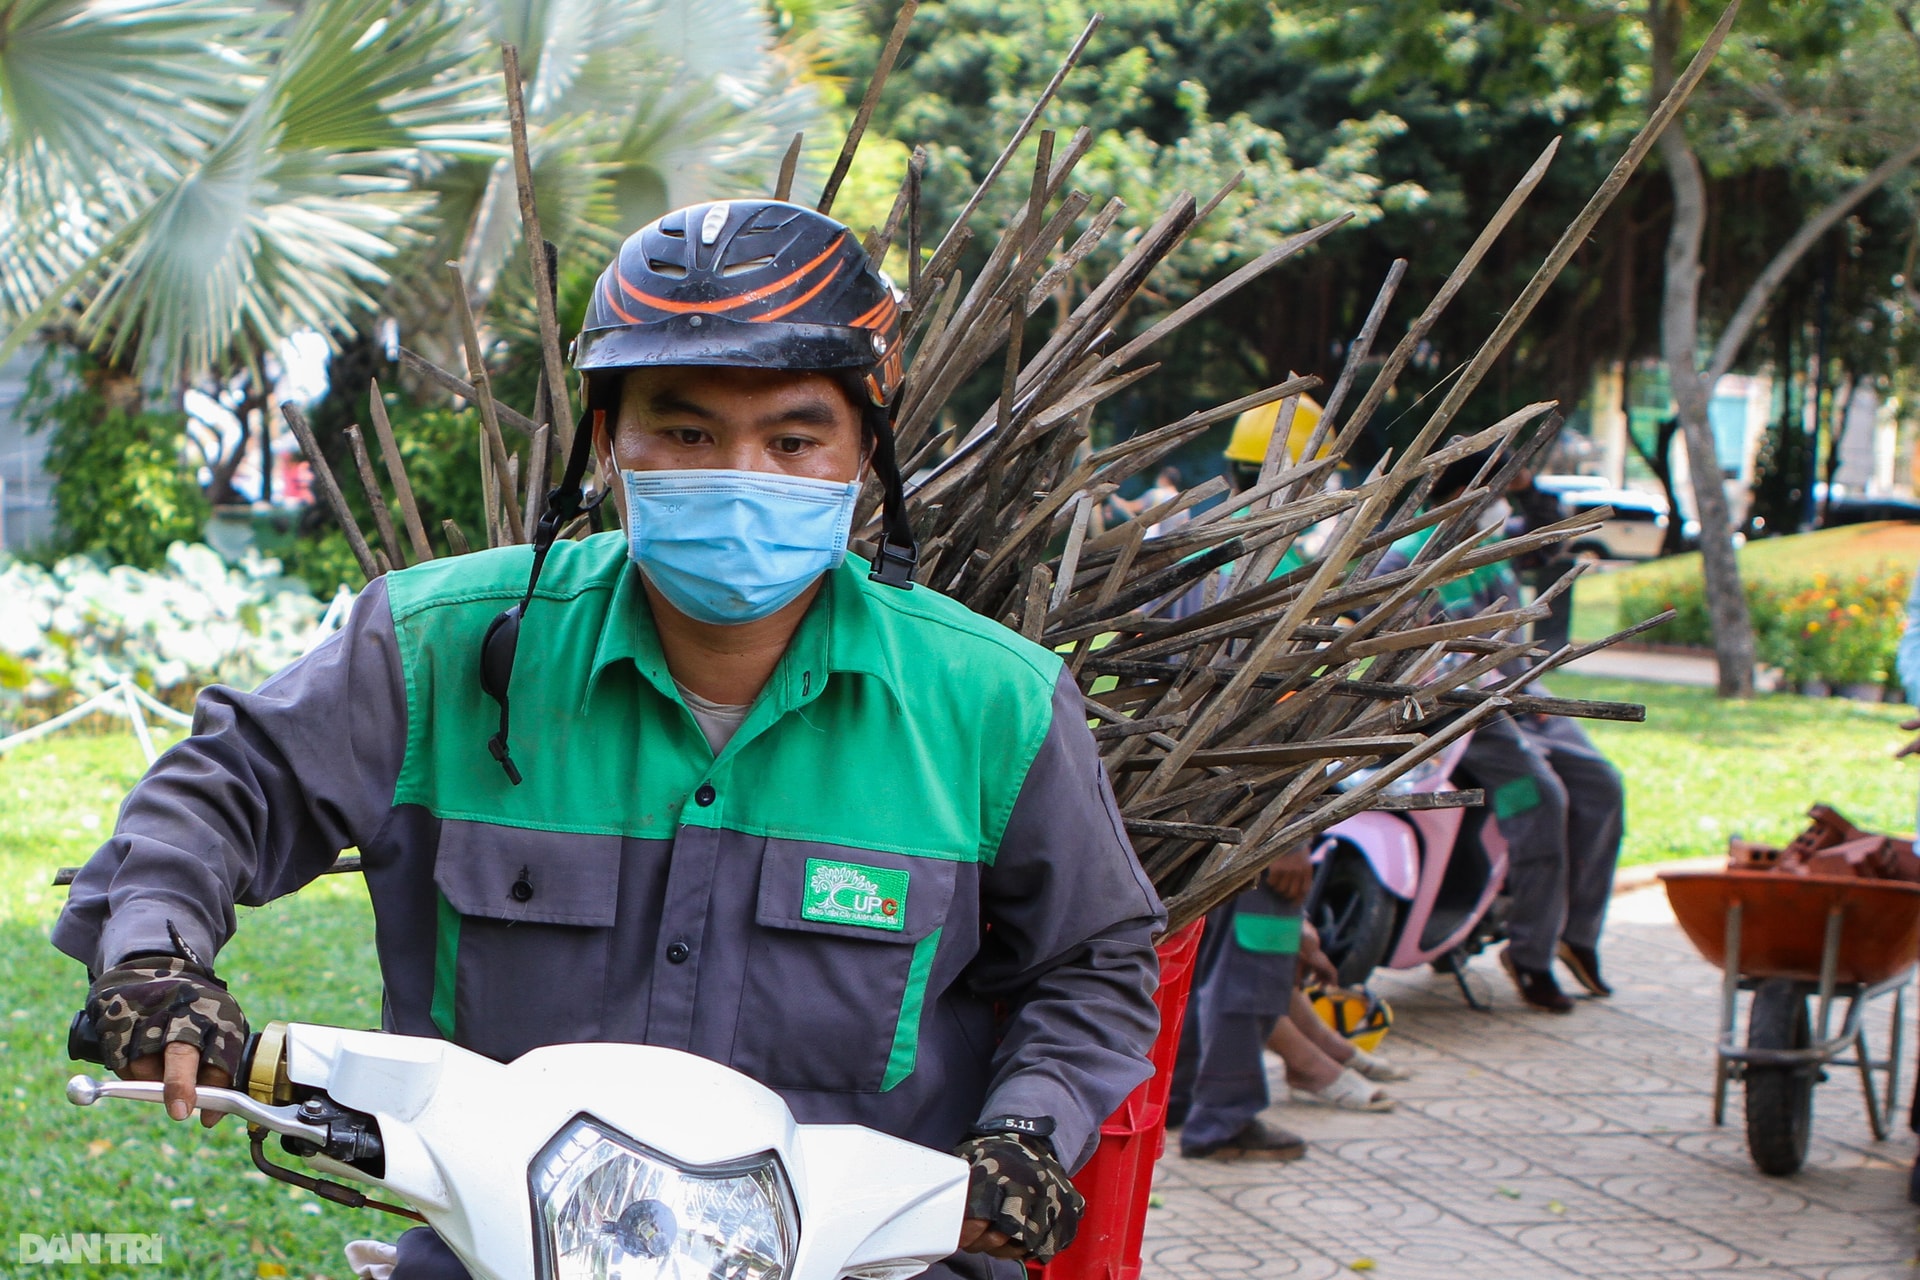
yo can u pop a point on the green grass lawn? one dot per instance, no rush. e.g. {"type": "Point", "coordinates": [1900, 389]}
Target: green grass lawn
{"type": "Point", "coordinates": [1697, 771]}
{"type": "Point", "coordinates": [1701, 769]}
{"type": "Point", "coordinates": [1848, 549]}
{"type": "Point", "coordinates": [121, 1166]}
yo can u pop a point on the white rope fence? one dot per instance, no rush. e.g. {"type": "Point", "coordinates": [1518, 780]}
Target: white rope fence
{"type": "Point", "coordinates": [122, 698]}
{"type": "Point", "coordinates": [126, 699]}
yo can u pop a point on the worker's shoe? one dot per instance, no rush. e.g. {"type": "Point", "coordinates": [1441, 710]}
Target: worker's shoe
{"type": "Point", "coordinates": [1257, 1140]}
{"type": "Point", "coordinates": [1377, 1067]}
{"type": "Point", "coordinates": [1536, 986]}
{"type": "Point", "coordinates": [1584, 964]}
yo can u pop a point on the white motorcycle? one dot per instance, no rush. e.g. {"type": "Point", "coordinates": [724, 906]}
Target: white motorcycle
{"type": "Point", "coordinates": [587, 1161]}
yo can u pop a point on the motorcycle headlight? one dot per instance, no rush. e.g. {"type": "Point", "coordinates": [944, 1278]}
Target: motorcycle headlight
{"type": "Point", "coordinates": [608, 1208]}
{"type": "Point", "coordinates": [1425, 776]}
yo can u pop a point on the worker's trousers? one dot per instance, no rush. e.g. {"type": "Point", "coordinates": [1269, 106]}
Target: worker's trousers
{"type": "Point", "coordinates": [1561, 807]}
{"type": "Point", "coordinates": [1242, 985]}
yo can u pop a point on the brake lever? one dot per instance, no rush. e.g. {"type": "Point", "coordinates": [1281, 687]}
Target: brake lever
{"type": "Point", "coordinates": [84, 1091]}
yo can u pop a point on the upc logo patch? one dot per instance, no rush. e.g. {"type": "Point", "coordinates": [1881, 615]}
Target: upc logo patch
{"type": "Point", "coordinates": [848, 893]}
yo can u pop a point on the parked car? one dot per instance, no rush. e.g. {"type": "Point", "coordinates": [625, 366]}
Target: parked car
{"type": "Point", "coordinates": [1567, 484]}
{"type": "Point", "coordinates": [1860, 508]}
{"type": "Point", "coordinates": [1637, 530]}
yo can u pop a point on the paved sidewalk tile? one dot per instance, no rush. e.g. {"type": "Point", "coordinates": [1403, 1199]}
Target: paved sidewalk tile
{"type": "Point", "coordinates": [1532, 1147]}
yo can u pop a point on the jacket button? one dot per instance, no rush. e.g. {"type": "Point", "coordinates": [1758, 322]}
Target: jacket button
{"type": "Point", "coordinates": [678, 952]}
{"type": "Point", "coordinates": [522, 889]}
{"type": "Point", "coordinates": [705, 795]}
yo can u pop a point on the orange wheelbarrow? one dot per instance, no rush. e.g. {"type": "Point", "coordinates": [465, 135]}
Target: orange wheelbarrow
{"type": "Point", "coordinates": [1788, 939]}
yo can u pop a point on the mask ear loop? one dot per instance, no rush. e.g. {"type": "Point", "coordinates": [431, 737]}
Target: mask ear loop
{"type": "Point", "coordinates": [565, 501]}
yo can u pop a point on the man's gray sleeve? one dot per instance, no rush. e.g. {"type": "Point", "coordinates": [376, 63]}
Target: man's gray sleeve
{"type": "Point", "coordinates": [1906, 658]}
{"type": "Point", "coordinates": [1070, 947]}
{"type": "Point", "coordinates": [257, 802]}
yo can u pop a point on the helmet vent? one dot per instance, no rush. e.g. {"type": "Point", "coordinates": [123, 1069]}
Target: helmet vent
{"type": "Point", "coordinates": [678, 233]}
{"type": "Point", "coordinates": [671, 270]}
{"type": "Point", "coordinates": [751, 264]}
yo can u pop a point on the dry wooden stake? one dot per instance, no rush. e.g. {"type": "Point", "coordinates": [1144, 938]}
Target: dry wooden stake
{"type": "Point", "coordinates": [330, 490]}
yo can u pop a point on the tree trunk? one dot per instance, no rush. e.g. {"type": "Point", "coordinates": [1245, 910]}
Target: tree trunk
{"type": "Point", "coordinates": [1734, 336]}
{"type": "Point", "coordinates": [220, 490]}
{"type": "Point", "coordinates": [1659, 460]}
{"type": "Point", "coordinates": [1679, 343]}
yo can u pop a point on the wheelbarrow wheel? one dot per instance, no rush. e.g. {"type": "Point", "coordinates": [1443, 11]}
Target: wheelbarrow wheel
{"type": "Point", "coordinates": [1779, 1099]}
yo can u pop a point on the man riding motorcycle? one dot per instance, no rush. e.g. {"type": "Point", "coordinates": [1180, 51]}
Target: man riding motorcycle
{"type": "Point", "coordinates": [829, 828]}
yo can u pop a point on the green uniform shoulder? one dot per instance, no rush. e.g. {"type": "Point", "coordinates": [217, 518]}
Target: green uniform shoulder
{"type": "Point", "coordinates": [921, 627]}
{"type": "Point", "coordinates": [573, 569]}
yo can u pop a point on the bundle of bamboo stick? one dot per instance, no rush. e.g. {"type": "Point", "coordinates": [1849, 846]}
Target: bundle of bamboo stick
{"type": "Point", "coordinates": [1286, 701]}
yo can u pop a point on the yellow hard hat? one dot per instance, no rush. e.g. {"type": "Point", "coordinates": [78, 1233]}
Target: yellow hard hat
{"type": "Point", "coordinates": [1360, 1016]}
{"type": "Point", "coordinates": [1253, 429]}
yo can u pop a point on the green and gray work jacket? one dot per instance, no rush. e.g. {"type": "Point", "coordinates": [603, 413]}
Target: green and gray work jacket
{"type": "Point", "coordinates": [902, 896]}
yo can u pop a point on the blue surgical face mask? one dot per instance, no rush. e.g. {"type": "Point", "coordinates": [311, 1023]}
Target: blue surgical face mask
{"type": "Point", "coordinates": [727, 547]}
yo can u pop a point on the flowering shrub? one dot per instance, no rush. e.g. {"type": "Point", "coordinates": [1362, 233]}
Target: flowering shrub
{"type": "Point", "coordinates": [77, 628]}
{"type": "Point", "coordinates": [1840, 628]}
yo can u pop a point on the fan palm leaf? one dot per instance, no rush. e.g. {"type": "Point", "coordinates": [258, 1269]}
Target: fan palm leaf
{"type": "Point", "coordinates": [101, 104]}
{"type": "Point", "coordinates": [198, 179]}
{"type": "Point", "coordinates": [635, 106]}
{"type": "Point", "coordinates": [284, 217]}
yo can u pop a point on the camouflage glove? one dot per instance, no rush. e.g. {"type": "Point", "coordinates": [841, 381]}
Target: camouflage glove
{"type": "Point", "coordinates": [147, 1002]}
{"type": "Point", "coordinates": [1019, 1188]}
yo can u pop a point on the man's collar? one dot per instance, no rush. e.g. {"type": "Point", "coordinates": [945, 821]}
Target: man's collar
{"type": "Point", "coordinates": [856, 642]}
{"type": "Point", "coordinates": [839, 633]}
{"type": "Point", "coordinates": [627, 634]}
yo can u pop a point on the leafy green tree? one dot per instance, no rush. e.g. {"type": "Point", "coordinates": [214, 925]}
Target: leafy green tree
{"type": "Point", "coordinates": [1169, 89]}
{"type": "Point", "coordinates": [1811, 94]}
{"type": "Point", "coordinates": [120, 491]}
{"type": "Point", "coordinates": [1810, 111]}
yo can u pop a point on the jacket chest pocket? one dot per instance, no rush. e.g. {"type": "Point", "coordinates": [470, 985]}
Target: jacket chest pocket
{"type": "Point", "coordinates": [839, 966]}
{"type": "Point", "coordinates": [525, 923]}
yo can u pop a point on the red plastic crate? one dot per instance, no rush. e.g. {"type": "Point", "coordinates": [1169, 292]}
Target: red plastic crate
{"type": "Point", "coordinates": [1119, 1177]}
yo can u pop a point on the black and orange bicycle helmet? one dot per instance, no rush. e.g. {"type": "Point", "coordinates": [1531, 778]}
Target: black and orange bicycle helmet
{"type": "Point", "coordinates": [755, 283]}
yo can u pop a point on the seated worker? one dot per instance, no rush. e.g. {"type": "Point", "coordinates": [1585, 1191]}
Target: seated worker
{"type": "Point", "coordinates": [1243, 982]}
{"type": "Point", "coordinates": [1165, 488]}
{"type": "Point", "coordinates": [1536, 508]}
{"type": "Point", "coordinates": [1246, 998]}
{"type": "Point", "coordinates": [1560, 804]}
{"type": "Point", "coordinates": [821, 825]}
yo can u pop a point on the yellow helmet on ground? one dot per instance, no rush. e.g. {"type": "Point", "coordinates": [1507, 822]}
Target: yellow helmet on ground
{"type": "Point", "coordinates": [1254, 428]}
{"type": "Point", "coordinates": [1360, 1016]}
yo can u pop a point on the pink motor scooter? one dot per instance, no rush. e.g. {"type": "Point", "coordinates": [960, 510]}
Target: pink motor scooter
{"type": "Point", "coordinates": [1402, 889]}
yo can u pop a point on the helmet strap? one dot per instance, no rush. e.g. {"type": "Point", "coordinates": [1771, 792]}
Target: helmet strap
{"type": "Point", "coordinates": [565, 501]}
{"type": "Point", "coordinates": [897, 556]}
